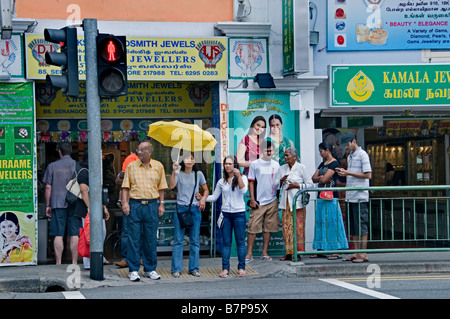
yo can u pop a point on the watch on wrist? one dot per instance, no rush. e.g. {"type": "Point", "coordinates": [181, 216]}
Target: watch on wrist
{"type": "Point", "coordinates": [161, 202]}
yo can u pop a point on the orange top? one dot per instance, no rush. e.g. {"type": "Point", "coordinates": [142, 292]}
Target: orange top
{"type": "Point", "coordinates": [130, 158]}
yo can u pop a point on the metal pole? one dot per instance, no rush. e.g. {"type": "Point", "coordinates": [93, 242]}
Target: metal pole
{"type": "Point", "coordinates": [95, 149]}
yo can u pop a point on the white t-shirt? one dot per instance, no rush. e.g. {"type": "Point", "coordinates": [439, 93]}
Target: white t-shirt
{"type": "Point", "coordinates": [266, 175]}
{"type": "Point", "coordinates": [358, 162]}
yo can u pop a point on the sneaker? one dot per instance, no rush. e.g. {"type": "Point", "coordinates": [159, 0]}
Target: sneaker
{"type": "Point", "coordinates": [195, 273]}
{"type": "Point", "coordinates": [134, 276]}
{"type": "Point", "coordinates": [151, 274]}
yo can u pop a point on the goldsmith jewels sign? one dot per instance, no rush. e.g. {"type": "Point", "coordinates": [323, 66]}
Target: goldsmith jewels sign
{"type": "Point", "coordinates": [148, 58]}
{"type": "Point", "coordinates": [389, 85]}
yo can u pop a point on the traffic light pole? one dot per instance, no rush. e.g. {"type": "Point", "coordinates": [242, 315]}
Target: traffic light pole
{"type": "Point", "coordinates": [94, 147]}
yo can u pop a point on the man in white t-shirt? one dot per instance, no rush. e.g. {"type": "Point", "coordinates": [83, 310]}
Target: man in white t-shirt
{"type": "Point", "coordinates": [264, 216]}
{"type": "Point", "coordinates": [358, 174]}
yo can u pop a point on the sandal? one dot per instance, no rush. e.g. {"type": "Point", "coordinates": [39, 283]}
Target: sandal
{"type": "Point", "coordinates": [318, 256]}
{"type": "Point", "coordinates": [248, 260]}
{"type": "Point", "coordinates": [360, 260]}
{"type": "Point", "coordinates": [224, 274]}
{"type": "Point", "coordinates": [286, 257]}
{"type": "Point", "coordinates": [351, 258]}
{"type": "Point", "coordinates": [242, 273]}
{"type": "Point", "coordinates": [266, 258]}
{"type": "Point", "coordinates": [176, 274]}
{"type": "Point", "coordinates": [334, 257]}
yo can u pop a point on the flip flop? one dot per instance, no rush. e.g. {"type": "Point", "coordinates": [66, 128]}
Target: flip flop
{"type": "Point", "coordinates": [334, 257]}
{"type": "Point", "coordinates": [351, 258]}
{"type": "Point", "coordinates": [248, 260]}
{"type": "Point", "coordinates": [360, 260]}
{"type": "Point", "coordinates": [266, 258]}
{"type": "Point", "coordinates": [241, 273]}
{"type": "Point", "coordinates": [223, 274]}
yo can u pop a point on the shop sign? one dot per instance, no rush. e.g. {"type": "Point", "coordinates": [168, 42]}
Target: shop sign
{"type": "Point", "coordinates": [144, 100]}
{"type": "Point", "coordinates": [175, 59]}
{"type": "Point", "coordinates": [11, 57]}
{"type": "Point", "coordinates": [423, 127]}
{"type": "Point", "coordinates": [408, 85]}
{"type": "Point", "coordinates": [18, 183]}
{"type": "Point", "coordinates": [388, 25]}
{"type": "Point", "coordinates": [248, 56]}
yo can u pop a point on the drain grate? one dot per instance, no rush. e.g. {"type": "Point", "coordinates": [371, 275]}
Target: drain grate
{"type": "Point", "coordinates": [206, 272]}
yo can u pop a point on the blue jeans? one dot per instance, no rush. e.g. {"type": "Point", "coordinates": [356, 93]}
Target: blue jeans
{"type": "Point", "coordinates": [142, 226]}
{"type": "Point", "coordinates": [194, 239]}
{"type": "Point", "coordinates": [236, 221]}
{"type": "Point", "coordinates": [124, 238]}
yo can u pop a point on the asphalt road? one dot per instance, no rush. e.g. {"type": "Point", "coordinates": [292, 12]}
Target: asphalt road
{"type": "Point", "coordinates": [235, 290]}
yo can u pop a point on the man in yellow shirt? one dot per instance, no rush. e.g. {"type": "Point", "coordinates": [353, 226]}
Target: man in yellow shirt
{"type": "Point", "coordinates": [143, 184]}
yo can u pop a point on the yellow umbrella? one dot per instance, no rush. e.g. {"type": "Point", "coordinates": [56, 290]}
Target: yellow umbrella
{"type": "Point", "coordinates": [189, 137]}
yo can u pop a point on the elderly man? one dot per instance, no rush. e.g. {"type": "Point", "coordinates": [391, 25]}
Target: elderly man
{"type": "Point", "coordinates": [143, 184]}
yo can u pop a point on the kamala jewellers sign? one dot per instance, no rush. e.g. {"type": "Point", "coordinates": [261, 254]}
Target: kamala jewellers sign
{"type": "Point", "coordinates": [389, 85]}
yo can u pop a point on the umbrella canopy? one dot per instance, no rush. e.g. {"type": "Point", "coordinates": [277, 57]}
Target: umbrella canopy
{"type": "Point", "coordinates": [189, 137]}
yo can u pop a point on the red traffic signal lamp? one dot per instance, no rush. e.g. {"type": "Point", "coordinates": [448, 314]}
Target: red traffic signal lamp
{"type": "Point", "coordinates": [67, 59]}
{"type": "Point", "coordinates": [112, 65]}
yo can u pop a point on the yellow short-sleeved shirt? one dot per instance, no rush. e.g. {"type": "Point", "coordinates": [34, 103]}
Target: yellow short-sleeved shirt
{"type": "Point", "coordinates": [144, 183]}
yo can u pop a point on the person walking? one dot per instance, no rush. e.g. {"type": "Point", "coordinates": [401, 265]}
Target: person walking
{"type": "Point", "coordinates": [329, 231]}
{"type": "Point", "coordinates": [143, 184]}
{"type": "Point", "coordinates": [232, 186]}
{"type": "Point", "coordinates": [60, 213]}
{"type": "Point", "coordinates": [293, 176]}
{"type": "Point", "coordinates": [265, 204]}
{"type": "Point", "coordinates": [82, 205]}
{"type": "Point", "coordinates": [188, 179]}
{"type": "Point", "coordinates": [358, 174]}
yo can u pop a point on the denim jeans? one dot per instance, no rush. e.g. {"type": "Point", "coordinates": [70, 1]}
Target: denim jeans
{"type": "Point", "coordinates": [124, 238]}
{"type": "Point", "coordinates": [142, 226]}
{"type": "Point", "coordinates": [194, 239]}
{"type": "Point", "coordinates": [236, 222]}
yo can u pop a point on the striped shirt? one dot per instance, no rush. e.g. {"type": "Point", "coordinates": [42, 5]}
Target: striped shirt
{"type": "Point", "coordinates": [358, 162]}
{"type": "Point", "coordinates": [144, 183]}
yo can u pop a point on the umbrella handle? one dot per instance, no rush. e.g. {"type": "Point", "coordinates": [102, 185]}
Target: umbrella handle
{"type": "Point", "coordinates": [178, 158]}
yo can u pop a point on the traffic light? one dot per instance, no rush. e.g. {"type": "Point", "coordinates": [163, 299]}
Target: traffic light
{"type": "Point", "coordinates": [112, 65]}
{"type": "Point", "coordinates": [67, 59]}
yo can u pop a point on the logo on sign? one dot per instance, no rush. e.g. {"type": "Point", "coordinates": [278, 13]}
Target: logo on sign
{"type": "Point", "coordinates": [249, 56]}
{"type": "Point", "coordinates": [210, 52]}
{"type": "Point", "coordinates": [199, 93]}
{"type": "Point", "coordinates": [39, 47]}
{"type": "Point", "coordinates": [45, 94]}
{"type": "Point", "coordinates": [7, 56]}
{"type": "Point", "coordinates": [360, 87]}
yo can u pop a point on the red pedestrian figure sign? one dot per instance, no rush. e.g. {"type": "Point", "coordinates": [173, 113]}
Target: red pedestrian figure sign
{"type": "Point", "coordinates": [111, 48]}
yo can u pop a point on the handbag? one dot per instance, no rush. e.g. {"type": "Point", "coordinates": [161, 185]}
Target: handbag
{"type": "Point", "coordinates": [84, 247]}
{"type": "Point", "coordinates": [327, 195]}
{"type": "Point", "coordinates": [305, 197]}
{"type": "Point", "coordinates": [220, 220]}
{"type": "Point", "coordinates": [185, 218]}
{"type": "Point", "coordinates": [73, 188]}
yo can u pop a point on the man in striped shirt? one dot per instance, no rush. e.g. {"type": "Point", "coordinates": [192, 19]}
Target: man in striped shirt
{"type": "Point", "coordinates": [143, 184]}
{"type": "Point", "coordinates": [358, 174]}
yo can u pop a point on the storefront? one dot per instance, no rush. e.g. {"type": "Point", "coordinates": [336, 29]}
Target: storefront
{"type": "Point", "coordinates": [169, 79]}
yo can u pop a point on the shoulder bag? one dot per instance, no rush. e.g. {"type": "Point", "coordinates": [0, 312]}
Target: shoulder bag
{"type": "Point", "coordinates": [73, 188]}
{"type": "Point", "coordinates": [185, 217]}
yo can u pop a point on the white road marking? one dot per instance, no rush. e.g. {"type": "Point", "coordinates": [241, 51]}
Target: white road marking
{"type": "Point", "coordinates": [73, 295]}
{"type": "Point", "coordinates": [356, 288]}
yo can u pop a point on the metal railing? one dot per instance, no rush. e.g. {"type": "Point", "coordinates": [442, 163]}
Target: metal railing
{"type": "Point", "coordinates": [395, 223]}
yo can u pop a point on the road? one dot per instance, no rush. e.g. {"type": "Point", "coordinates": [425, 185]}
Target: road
{"type": "Point", "coordinates": [431, 286]}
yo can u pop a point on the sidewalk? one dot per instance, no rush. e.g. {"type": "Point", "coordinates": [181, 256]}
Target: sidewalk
{"type": "Point", "coordinates": [42, 278]}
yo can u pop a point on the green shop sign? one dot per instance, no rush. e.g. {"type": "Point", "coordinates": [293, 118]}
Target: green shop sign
{"type": "Point", "coordinates": [389, 85]}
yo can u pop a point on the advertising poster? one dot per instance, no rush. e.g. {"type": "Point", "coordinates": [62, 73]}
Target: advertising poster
{"type": "Point", "coordinates": [388, 25]}
{"type": "Point", "coordinates": [166, 59]}
{"type": "Point", "coordinates": [18, 192]}
{"type": "Point", "coordinates": [11, 58]}
{"type": "Point", "coordinates": [259, 108]}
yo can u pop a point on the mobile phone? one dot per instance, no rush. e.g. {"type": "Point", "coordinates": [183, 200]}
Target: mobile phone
{"type": "Point", "coordinates": [236, 166]}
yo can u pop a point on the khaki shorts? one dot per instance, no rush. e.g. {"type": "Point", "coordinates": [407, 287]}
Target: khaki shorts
{"type": "Point", "coordinates": [267, 215]}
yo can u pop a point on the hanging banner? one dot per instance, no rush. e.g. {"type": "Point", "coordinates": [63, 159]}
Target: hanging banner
{"type": "Point", "coordinates": [390, 85]}
{"type": "Point", "coordinates": [388, 25]}
{"type": "Point", "coordinates": [144, 99]}
{"type": "Point", "coordinates": [175, 59]}
{"type": "Point", "coordinates": [18, 184]}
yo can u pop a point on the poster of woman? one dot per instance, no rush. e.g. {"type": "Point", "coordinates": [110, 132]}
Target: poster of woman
{"type": "Point", "coordinates": [16, 240]}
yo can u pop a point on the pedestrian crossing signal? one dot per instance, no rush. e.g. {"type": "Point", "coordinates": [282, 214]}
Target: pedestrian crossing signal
{"type": "Point", "coordinates": [112, 65]}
